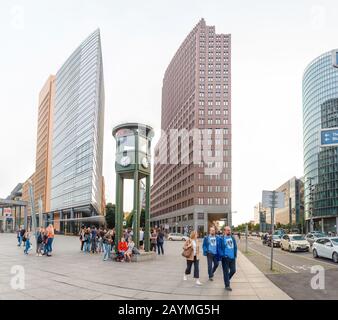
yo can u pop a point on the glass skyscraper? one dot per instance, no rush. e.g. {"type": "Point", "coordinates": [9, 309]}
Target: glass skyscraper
{"type": "Point", "coordinates": [78, 122]}
{"type": "Point", "coordinates": [320, 112]}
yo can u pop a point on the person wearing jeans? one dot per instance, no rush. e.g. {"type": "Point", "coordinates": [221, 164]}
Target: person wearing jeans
{"type": "Point", "coordinates": [107, 241]}
{"type": "Point", "coordinates": [192, 246]}
{"type": "Point", "coordinates": [50, 235]}
{"type": "Point", "coordinates": [210, 251]}
{"type": "Point", "coordinates": [160, 242]}
{"type": "Point", "coordinates": [27, 244]}
{"type": "Point", "coordinates": [227, 251]}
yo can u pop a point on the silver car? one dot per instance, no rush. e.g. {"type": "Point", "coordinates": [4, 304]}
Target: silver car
{"type": "Point", "coordinates": [313, 236]}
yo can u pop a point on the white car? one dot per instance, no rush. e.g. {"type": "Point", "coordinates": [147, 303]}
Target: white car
{"type": "Point", "coordinates": [326, 248]}
{"type": "Point", "coordinates": [294, 242]}
{"type": "Point", "coordinates": [177, 237]}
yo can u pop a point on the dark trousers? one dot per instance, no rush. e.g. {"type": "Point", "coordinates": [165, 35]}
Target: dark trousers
{"type": "Point", "coordinates": [160, 248]}
{"type": "Point", "coordinates": [82, 243]}
{"type": "Point", "coordinates": [194, 262]}
{"type": "Point", "coordinates": [229, 269]}
{"type": "Point", "coordinates": [212, 264]}
{"type": "Point", "coordinates": [153, 247]}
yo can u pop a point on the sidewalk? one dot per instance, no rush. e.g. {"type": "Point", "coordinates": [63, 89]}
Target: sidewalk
{"type": "Point", "coordinates": [73, 275]}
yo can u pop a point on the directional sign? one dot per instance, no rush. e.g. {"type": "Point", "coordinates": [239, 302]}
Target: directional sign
{"type": "Point", "coordinates": [329, 137]}
{"type": "Point", "coordinates": [273, 199]}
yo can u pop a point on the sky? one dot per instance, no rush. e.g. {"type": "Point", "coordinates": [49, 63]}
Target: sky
{"type": "Point", "coordinates": [272, 43]}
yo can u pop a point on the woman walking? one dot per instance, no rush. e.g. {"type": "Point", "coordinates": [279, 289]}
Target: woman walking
{"type": "Point", "coordinates": [27, 243]}
{"type": "Point", "coordinates": [82, 236]}
{"type": "Point", "coordinates": [191, 251]}
{"type": "Point", "coordinates": [50, 236]}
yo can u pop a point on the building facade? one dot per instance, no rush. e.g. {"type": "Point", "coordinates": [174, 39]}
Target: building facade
{"type": "Point", "coordinates": [293, 212]}
{"type": "Point", "coordinates": [43, 162]}
{"type": "Point", "coordinates": [192, 172]}
{"type": "Point", "coordinates": [77, 146]}
{"type": "Point", "coordinates": [320, 112]}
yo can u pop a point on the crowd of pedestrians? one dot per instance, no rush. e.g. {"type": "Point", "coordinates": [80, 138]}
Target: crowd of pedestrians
{"type": "Point", "coordinates": [218, 248]}
{"type": "Point", "coordinates": [43, 240]}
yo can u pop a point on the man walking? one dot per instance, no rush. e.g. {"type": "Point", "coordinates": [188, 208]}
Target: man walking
{"type": "Point", "coordinates": [227, 251]}
{"type": "Point", "coordinates": [210, 251]}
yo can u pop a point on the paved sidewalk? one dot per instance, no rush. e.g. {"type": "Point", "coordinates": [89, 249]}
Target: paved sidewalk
{"type": "Point", "coordinates": [71, 274]}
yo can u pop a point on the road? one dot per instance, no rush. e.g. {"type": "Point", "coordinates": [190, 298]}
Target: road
{"type": "Point", "coordinates": [293, 272]}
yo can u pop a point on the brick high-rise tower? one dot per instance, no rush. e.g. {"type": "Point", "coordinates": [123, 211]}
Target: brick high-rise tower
{"type": "Point", "coordinates": [196, 96]}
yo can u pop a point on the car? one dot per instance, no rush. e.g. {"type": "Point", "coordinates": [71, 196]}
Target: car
{"type": "Point", "coordinates": [253, 234]}
{"type": "Point", "coordinates": [326, 248]}
{"type": "Point", "coordinates": [276, 240]}
{"type": "Point", "coordinates": [294, 242]}
{"type": "Point", "coordinates": [311, 237]}
{"type": "Point", "coordinates": [177, 237]}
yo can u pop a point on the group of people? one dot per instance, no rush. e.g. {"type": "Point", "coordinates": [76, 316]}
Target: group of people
{"type": "Point", "coordinates": [217, 249]}
{"type": "Point", "coordinates": [44, 239]}
{"type": "Point", "coordinates": [101, 240]}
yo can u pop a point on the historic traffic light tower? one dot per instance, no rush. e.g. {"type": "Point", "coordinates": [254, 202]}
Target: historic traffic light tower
{"type": "Point", "coordinates": [132, 161]}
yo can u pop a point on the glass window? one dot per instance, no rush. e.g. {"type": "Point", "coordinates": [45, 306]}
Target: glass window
{"type": "Point", "coordinates": [143, 144]}
{"type": "Point", "coordinates": [126, 143]}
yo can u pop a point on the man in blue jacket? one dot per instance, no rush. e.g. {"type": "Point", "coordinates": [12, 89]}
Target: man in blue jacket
{"type": "Point", "coordinates": [227, 252]}
{"type": "Point", "coordinates": [210, 251]}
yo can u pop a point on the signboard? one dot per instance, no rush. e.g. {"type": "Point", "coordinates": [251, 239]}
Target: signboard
{"type": "Point", "coordinates": [329, 137]}
{"type": "Point", "coordinates": [166, 226]}
{"type": "Point", "coordinates": [7, 213]}
{"type": "Point", "coordinates": [273, 199]}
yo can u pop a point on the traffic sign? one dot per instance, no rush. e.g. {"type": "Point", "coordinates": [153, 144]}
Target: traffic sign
{"type": "Point", "coordinates": [329, 137]}
{"type": "Point", "coordinates": [273, 199]}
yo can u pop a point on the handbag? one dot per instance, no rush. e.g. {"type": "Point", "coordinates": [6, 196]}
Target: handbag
{"type": "Point", "coordinates": [187, 252]}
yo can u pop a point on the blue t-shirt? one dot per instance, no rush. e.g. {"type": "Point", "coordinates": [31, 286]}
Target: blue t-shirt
{"type": "Point", "coordinates": [229, 247]}
{"type": "Point", "coordinates": [212, 244]}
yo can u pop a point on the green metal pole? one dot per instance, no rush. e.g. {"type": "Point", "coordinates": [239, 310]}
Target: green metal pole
{"type": "Point", "coordinates": [147, 216]}
{"type": "Point", "coordinates": [136, 218]}
{"type": "Point", "coordinates": [117, 210]}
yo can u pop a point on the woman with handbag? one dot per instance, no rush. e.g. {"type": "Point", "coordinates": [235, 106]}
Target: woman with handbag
{"type": "Point", "coordinates": [191, 251]}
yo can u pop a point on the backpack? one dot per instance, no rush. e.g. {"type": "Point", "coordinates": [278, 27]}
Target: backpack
{"type": "Point", "coordinates": [40, 240]}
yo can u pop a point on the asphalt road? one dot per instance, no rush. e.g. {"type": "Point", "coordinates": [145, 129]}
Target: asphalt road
{"type": "Point", "coordinates": [294, 272]}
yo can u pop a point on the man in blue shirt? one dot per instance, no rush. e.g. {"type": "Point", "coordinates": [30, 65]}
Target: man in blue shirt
{"type": "Point", "coordinates": [227, 252]}
{"type": "Point", "coordinates": [210, 251]}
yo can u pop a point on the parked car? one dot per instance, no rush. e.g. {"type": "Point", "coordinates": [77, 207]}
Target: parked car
{"type": "Point", "coordinates": [326, 248]}
{"type": "Point", "coordinates": [177, 237]}
{"type": "Point", "coordinates": [253, 234]}
{"type": "Point", "coordinates": [294, 242]}
{"type": "Point", "coordinates": [275, 239]}
{"type": "Point", "coordinates": [313, 236]}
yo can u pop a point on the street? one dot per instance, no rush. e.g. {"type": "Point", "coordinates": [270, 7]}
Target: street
{"type": "Point", "coordinates": [292, 271]}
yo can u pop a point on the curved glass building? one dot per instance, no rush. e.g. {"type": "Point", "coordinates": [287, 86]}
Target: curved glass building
{"type": "Point", "coordinates": [320, 125]}
{"type": "Point", "coordinates": [78, 121]}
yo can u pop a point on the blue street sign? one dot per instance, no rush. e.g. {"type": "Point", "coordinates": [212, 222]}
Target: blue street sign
{"type": "Point", "coordinates": [329, 137]}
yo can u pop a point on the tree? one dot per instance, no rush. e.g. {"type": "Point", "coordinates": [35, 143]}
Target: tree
{"type": "Point", "coordinates": [110, 215]}
{"type": "Point", "coordinates": [142, 219]}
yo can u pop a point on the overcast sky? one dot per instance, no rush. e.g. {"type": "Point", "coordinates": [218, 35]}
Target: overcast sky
{"type": "Point", "coordinates": [272, 42]}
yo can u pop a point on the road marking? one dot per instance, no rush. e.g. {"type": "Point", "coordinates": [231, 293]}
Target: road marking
{"type": "Point", "coordinates": [307, 258]}
{"type": "Point", "coordinates": [267, 257]}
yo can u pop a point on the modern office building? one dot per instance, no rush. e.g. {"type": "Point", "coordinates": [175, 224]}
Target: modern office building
{"type": "Point", "coordinates": [43, 162]}
{"type": "Point", "coordinates": [292, 214]}
{"type": "Point", "coordinates": [260, 214]}
{"type": "Point", "coordinates": [196, 97]}
{"type": "Point", "coordinates": [77, 142]}
{"type": "Point", "coordinates": [320, 121]}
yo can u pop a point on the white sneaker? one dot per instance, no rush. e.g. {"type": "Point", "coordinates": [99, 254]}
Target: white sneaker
{"type": "Point", "coordinates": [198, 282]}
{"type": "Point", "coordinates": [185, 278]}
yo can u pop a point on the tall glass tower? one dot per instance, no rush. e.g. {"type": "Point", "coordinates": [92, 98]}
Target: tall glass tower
{"type": "Point", "coordinates": [78, 123]}
{"type": "Point", "coordinates": [320, 114]}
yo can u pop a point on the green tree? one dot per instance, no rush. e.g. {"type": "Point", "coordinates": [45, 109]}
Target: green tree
{"type": "Point", "coordinates": [110, 215]}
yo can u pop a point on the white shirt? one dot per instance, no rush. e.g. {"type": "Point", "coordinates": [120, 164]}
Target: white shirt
{"type": "Point", "coordinates": [194, 246]}
{"type": "Point", "coordinates": [141, 235]}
